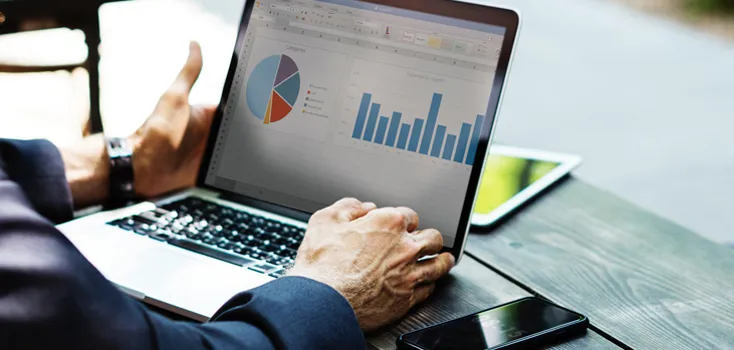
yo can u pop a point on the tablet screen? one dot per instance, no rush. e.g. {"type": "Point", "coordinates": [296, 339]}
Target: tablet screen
{"type": "Point", "coordinates": [505, 177]}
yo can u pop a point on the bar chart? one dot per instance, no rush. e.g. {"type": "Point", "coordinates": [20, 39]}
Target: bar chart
{"type": "Point", "coordinates": [423, 136]}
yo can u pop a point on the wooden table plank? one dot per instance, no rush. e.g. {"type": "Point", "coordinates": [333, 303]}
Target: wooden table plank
{"type": "Point", "coordinates": [647, 282]}
{"type": "Point", "coordinates": [470, 288]}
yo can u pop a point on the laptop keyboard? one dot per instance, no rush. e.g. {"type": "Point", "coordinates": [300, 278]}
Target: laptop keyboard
{"type": "Point", "coordinates": [262, 245]}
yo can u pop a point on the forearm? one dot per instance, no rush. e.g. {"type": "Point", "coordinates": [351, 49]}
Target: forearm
{"type": "Point", "coordinates": [63, 297]}
{"type": "Point", "coordinates": [49, 289]}
{"type": "Point", "coordinates": [36, 167]}
{"type": "Point", "coordinates": [87, 170]}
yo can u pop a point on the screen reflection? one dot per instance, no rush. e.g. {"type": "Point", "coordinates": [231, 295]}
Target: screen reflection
{"type": "Point", "coordinates": [505, 177]}
{"type": "Point", "coordinates": [492, 328]}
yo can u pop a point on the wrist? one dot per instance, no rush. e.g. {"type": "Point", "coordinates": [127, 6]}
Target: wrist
{"type": "Point", "coordinates": [141, 165]}
{"type": "Point", "coordinates": [87, 170]}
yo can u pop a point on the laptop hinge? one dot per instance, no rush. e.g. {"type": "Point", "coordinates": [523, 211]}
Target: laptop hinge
{"type": "Point", "coordinates": [205, 192]}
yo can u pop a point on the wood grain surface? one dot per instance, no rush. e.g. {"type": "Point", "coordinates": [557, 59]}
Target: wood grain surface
{"type": "Point", "coordinates": [470, 288]}
{"type": "Point", "coordinates": [647, 282]}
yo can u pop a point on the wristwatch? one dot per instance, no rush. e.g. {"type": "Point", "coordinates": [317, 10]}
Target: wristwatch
{"type": "Point", "coordinates": [122, 177]}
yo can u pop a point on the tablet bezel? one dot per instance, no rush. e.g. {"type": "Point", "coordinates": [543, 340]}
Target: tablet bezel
{"type": "Point", "coordinates": [567, 163]}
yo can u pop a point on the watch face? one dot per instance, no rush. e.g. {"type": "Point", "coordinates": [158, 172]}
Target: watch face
{"type": "Point", "coordinates": [118, 147]}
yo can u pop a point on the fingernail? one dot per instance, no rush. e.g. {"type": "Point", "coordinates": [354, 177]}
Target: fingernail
{"type": "Point", "coordinates": [453, 260]}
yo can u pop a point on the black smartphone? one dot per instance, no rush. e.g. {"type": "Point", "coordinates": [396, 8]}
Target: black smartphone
{"type": "Point", "coordinates": [522, 324]}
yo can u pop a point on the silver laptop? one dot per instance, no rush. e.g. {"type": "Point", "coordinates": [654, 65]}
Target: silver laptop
{"type": "Point", "coordinates": [389, 101]}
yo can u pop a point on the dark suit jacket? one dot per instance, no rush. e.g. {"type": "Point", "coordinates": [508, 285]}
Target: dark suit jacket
{"type": "Point", "coordinates": [52, 298]}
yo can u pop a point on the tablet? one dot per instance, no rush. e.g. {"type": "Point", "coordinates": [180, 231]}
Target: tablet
{"type": "Point", "coordinates": [513, 176]}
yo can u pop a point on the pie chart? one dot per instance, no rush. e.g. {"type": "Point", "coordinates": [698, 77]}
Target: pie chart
{"type": "Point", "coordinates": [273, 88]}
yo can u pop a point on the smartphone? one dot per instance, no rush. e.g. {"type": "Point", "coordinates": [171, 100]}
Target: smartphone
{"type": "Point", "coordinates": [522, 324]}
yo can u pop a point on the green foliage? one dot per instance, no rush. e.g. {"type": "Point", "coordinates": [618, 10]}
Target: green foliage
{"type": "Point", "coordinates": [720, 6]}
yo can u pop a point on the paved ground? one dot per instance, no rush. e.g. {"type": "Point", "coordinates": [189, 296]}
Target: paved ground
{"type": "Point", "coordinates": [719, 23]}
{"type": "Point", "coordinates": [649, 103]}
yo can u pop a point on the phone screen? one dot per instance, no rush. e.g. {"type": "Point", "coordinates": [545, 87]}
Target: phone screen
{"type": "Point", "coordinates": [493, 328]}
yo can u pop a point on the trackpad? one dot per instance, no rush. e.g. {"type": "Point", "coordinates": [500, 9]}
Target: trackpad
{"type": "Point", "coordinates": [164, 273]}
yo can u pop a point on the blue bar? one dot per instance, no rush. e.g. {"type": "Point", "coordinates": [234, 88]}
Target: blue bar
{"type": "Point", "coordinates": [475, 140]}
{"type": "Point", "coordinates": [416, 135]}
{"type": "Point", "coordinates": [381, 129]}
{"type": "Point", "coordinates": [393, 133]}
{"type": "Point", "coordinates": [370, 131]}
{"type": "Point", "coordinates": [404, 132]}
{"type": "Point", "coordinates": [431, 125]}
{"type": "Point", "coordinates": [463, 142]}
{"type": "Point", "coordinates": [438, 141]}
{"type": "Point", "coordinates": [362, 116]}
{"type": "Point", "coordinates": [449, 150]}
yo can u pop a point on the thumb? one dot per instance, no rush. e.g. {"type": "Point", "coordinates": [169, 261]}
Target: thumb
{"type": "Point", "coordinates": [190, 71]}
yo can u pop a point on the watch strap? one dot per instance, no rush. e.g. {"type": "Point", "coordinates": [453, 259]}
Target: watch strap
{"type": "Point", "coordinates": [122, 177]}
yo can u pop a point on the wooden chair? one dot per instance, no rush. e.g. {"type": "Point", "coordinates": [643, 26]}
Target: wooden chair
{"type": "Point", "coordinates": [27, 15]}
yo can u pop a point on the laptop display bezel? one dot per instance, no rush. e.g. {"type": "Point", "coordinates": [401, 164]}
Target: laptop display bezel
{"type": "Point", "coordinates": [506, 18]}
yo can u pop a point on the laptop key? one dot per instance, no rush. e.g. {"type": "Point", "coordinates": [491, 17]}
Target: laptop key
{"type": "Point", "coordinates": [252, 241]}
{"type": "Point", "coordinates": [286, 262]}
{"type": "Point", "coordinates": [293, 243]}
{"type": "Point", "coordinates": [244, 250]}
{"type": "Point", "coordinates": [277, 274]}
{"type": "Point", "coordinates": [160, 236]}
{"type": "Point", "coordinates": [211, 252]}
{"type": "Point", "coordinates": [143, 220]}
{"type": "Point", "coordinates": [234, 235]}
{"type": "Point", "coordinates": [272, 259]}
{"type": "Point", "coordinates": [126, 227]}
{"type": "Point", "coordinates": [258, 222]}
{"type": "Point", "coordinates": [222, 243]}
{"type": "Point", "coordinates": [256, 254]}
{"type": "Point", "coordinates": [208, 239]}
{"type": "Point", "coordinates": [263, 268]}
{"type": "Point", "coordinates": [269, 248]}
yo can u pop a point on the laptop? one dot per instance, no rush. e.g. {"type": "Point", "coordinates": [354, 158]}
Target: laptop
{"type": "Point", "coordinates": [388, 101]}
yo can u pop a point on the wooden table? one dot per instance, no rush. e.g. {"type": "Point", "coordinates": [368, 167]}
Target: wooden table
{"type": "Point", "coordinates": [644, 282]}
{"type": "Point", "coordinates": [471, 287]}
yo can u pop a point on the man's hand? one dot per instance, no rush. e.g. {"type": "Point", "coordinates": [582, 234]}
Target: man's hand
{"type": "Point", "coordinates": [167, 149]}
{"type": "Point", "coordinates": [169, 146]}
{"type": "Point", "coordinates": [370, 256]}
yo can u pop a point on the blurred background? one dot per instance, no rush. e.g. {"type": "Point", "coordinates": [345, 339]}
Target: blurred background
{"type": "Point", "coordinates": [643, 90]}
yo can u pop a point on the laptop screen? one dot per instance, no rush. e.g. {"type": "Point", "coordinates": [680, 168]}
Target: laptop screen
{"type": "Point", "coordinates": [342, 98]}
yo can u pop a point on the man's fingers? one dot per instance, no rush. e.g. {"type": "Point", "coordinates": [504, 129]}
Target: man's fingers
{"type": "Point", "coordinates": [430, 271]}
{"type": "Point", "coordinates": [190, 71]}
{"type": "Point", "coordinates": [422, 293]}
{"type": "Point", "coordinates": [402, 219]}
{"type": "Point", "coordinates": [350, 209]}
{"type": "Point", "coordinates": [430, 240]}
{"type": "Point", "coordinates": [411, 218]}
{"type": "Point", "coordinates": [345, 210]}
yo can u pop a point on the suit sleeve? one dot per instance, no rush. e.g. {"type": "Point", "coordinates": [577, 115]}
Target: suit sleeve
{"type": "Point", "coordinates": [51, 297]}
{"type": "Point", "coordinates": [37, 168]}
